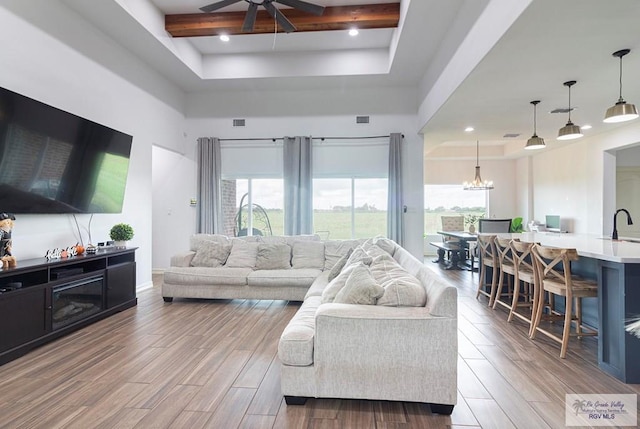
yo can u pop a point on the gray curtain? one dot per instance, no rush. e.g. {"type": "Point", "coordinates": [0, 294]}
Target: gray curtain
{"type": "Point", "coordinates": [209, 216]}
{"type": "Point", "coordinates": [298, 188]}
{"type": "Point", "coordinates": [395, 205]}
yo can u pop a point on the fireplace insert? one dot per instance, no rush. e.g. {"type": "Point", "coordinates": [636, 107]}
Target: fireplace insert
{"type": "Point", "coordinates": [76, 301]}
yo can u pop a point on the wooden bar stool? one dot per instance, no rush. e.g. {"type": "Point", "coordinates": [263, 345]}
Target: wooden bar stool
{"type": "Point", "coordinates": [488, 258]}
{"type": "Point", "coordinates": [524, 272]}
{"type": "Point", "coordinates": [553, 275]}
{"type": "Point", "coordinates": [507, 269]}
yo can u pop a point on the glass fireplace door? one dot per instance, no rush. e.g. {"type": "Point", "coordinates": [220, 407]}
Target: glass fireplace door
{"type": "Point", "coordinates": [76, 301]}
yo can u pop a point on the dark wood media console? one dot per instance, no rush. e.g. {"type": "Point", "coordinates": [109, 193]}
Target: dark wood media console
{"type": "Point", "coordinates": [42, 300]}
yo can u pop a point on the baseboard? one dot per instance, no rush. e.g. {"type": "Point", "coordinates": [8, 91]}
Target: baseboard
{"type": "Point", "coordinates": [155, 271]}
{"type": "Point", "coordinates": [144, 286]}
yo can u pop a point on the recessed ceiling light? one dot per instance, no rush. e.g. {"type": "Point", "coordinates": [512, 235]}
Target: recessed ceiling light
{"type": "Point", "coordinates": [469, 129]}
{"type": "Point", "coordinates": [353, 32]}
{"type": "Point", "coordinates": [586, 127]}
{"type": "Point", "coordinates": [224, 38]}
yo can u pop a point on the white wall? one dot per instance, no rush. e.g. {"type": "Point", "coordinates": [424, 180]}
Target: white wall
{"type": "Point", "coordinates": [502, 199]}
{"type": "Point", "coordinates": [49, 66]}
{"type": "Point", "coordinates": [571, 181]}
{"type": "Point", "coordinates": [290, 125]}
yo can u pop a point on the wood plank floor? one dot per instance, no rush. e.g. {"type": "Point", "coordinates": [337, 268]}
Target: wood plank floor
{"type": "Point", "coordinates": [213, 364]}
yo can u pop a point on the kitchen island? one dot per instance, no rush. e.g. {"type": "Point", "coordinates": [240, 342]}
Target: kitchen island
{"type": "Point", "coordinates": [615, 264]}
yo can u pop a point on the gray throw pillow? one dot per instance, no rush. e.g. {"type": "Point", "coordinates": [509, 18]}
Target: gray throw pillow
{"type": "Point", "coordinates": [273, 257]}
{"type": "Point", "coordinates": [337, 268]}
{"type": "Point", "coordinates": [243, 254]}
{"type": "Point", "coordinates": [333, 287]}
{"type": "Point", "coordinates": [211, 254]}
{"type": "Point", "coordinates": [360, 288]}
{"type": "Point", "coordinates": [308, 254]}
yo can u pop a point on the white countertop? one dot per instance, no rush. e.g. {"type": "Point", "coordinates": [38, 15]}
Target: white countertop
{"type": "Point", "coordinates": [592, 246]}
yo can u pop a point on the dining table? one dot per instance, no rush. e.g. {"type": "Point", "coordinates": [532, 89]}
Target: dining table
{"type": "Point", "coordinates": [459, 259]}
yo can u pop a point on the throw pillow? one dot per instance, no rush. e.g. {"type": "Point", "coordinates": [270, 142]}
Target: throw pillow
{"type": "Point", "coordinates": [385, 244]}
{"type": "Point", "coordinates": [333, 287]}
{"type": "Point", "coordinates": [211, 254]}
{"type": "Point", "coordinates": [336, 249]}
{"type": "Point", "coordinates": [338, 266]}
{"type": "Point", "coordinates": [359, 255]}
{"type": "Point", "coordinates": [243, 254]}
{"type": "Point", "coordinates": [401, 289]}
{"type": "Point", "coordinates": [360, 288]}
{"type": "Point", "coordinates": [308, 254]}
{"type": "Point", "coordinates": [273, 257]}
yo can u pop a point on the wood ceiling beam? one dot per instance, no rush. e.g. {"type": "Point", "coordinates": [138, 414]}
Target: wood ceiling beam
{"type": "Point", "coordinates": [364, 16]}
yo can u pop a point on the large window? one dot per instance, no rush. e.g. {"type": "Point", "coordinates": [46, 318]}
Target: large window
{"type": "Point", "coordinates": [350, 208]}
{"type": "Point", "coordinates": [253, 206]}
{"type": "Point", "coordinates": [450, 199]}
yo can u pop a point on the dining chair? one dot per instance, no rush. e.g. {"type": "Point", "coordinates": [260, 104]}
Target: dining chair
{"type": "Point", "coordinates": [507, 270]}
{"type": "Point", "coordinates": [451, 223]}
{"type": "Point", "coordinates": [494, 226]}
{"type": "Point", "coordinates": [553, 270]}
{"type": "Point", "coordinates": [488, 259]}
{"type": "Point", "coordinates": [524, 273]}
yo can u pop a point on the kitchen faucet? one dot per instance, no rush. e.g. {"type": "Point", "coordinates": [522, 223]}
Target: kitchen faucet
{"type": "Point", "coordinates": [614, 235]}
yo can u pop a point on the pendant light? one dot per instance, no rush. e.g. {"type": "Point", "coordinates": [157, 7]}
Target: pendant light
{"type": "Point", "coordinates": [569, 131]}
{"type": "Point", "coordinates": [621, 111]}
{"type": "Point", "coordinates": [535, 142]}
{"type": "Point", "coordinates": [477, 184]}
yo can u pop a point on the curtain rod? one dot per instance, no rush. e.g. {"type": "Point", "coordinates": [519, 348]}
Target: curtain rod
{"type": "Point", "coordinates": [273, 139]}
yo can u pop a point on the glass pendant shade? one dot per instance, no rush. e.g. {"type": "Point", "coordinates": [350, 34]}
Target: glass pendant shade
{"type": "Point", "coordinates": [535, 142]}
{"type": "Point", "coordinates": [477, 184]}
{"type": "Point", "coordinates": [569, 131]}
{"type": "Point", "coordinates": [621, 111]}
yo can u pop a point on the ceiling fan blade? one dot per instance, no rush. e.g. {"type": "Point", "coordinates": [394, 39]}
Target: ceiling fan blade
{"type": "Point", "coordinates": [218, 5]}
{"type": "Point", "coordinates": [250, 18]}
{"type": "Point", "coordinates": [286, 25]}
{"type": "Point", "coordinates": [303, 6]}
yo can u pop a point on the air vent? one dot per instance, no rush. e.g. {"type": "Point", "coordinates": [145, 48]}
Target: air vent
{"type": "Point", "coordinates": [562, 110]}
{"type": "Point", "coordinates": [362, 119]}
{"type": "Point", "coordinates": [238, 122]}
{"type": "Point", "coordinates": [511, 135]}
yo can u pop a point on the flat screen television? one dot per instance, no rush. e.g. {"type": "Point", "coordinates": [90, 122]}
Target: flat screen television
{"type": "Point", "coordinates": [52, 161]}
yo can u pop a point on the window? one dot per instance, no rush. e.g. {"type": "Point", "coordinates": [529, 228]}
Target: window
{"type": "Point", "coordinates": [350, 207]}
{"type": "Point", "coordinates": [253, 207]}
{"type": "Point", "coordinates": [450, 199]}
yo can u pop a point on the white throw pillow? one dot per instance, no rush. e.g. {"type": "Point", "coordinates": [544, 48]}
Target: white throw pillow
{"type": "Point", "coordinates": [334, 250]}
{"type": "Point", "coordinates": [273, 257]}
{"type": "Point", "coordinates": [308, 254]}
{"type": "Point", "coordinates": [211, 254]}
{"type": "Point", "coordinates": [333, 287]}
{"type": "Point", "coordinates": [360, 288]}
{"type": "Point", "coordinates": [243, 254]}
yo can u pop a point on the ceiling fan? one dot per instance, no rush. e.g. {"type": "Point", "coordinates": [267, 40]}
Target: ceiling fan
{"type": "Point", "coordinates": [250, 17]}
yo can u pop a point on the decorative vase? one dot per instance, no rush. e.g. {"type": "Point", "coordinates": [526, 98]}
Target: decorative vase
{"type": "Point", "coordinates": [120, 244]}
{"type": "Point", "coordinates": [472, 229]}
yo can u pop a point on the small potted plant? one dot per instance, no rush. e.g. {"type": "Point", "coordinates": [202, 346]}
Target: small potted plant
{"type": "Point", "coordinates": [121, 233]}
{"type": "Point", "coordinates": [471, 220]}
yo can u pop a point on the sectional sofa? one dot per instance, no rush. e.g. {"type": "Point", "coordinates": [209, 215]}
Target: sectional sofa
{"type": "Point", "coordinates": [374, 323]}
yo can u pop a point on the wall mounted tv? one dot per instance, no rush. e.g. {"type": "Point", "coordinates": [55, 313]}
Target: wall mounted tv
{"type": "Point", "coordinates": [52, 161]}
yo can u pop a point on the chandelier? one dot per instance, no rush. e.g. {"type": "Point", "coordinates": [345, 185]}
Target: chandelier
{"type": "Point", "coordinates": [478, 184]}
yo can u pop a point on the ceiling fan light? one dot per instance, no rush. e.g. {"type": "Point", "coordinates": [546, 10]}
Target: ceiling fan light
{"type": "Point", "coordinates": [535, 142]}
{"type": "Point", "coordinates": [620, 112]}
{"type": "Point", "coordinates": [569, 132]}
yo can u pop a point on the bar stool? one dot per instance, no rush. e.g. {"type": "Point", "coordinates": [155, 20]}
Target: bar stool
{"type": "Point", "coordinates": [488, 258]}
{"type": "Point", "coordinates": [507, 269]}
{"type": "Point", "coordinates": [524, 272]}
{"type": "Point", "coordinates": [553, 275]}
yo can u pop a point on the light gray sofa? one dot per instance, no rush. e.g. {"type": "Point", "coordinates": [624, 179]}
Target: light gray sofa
{"type": "Point", "coordinates": [336, 350]}
{"type": "Point", "coordinates": [220, 276]}
{"type": "Point", "coordinates": [404, 348]}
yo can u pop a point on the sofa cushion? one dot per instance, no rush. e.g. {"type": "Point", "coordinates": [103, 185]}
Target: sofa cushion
{"type": "Point", "coordinates": [386, 244]}
{"type": "Point", "coordinates": [338, 266]}
{"type": "Point", "coordinates": [211, 254]}
{"type": "Point", "coordinates": [329, 293]}
{"type": "Point", "coordinates": [196, 240]}
{"type": "Point", "coordinates": [401, 289]}
{"type": "Point", "coordinates": [302, 277]}
{"type": "Point", "coordinates": [207, 276]}
{"type": "Point", "coordinates": [292, 239]}
{"type": "Point", "coordinates": [360, 288]}
{"type": "Point", "coordinates": [243, 254]}
{"type": "Point", "coordinates": [318, 285]}
{"type": "Point", "coordinates": [334, 250]}
{"type": "Point", "coordinates": [296, 342]}
{"type": "Point", "coordinates": [308, 254]}
{"type": "Point", "coordinates": [273, 257]}
{"type": "Point", "coordinates": [359, 256]}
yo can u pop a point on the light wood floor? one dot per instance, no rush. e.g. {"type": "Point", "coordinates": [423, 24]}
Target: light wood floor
{"type": "Point", "coordinates": [196, 364]}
